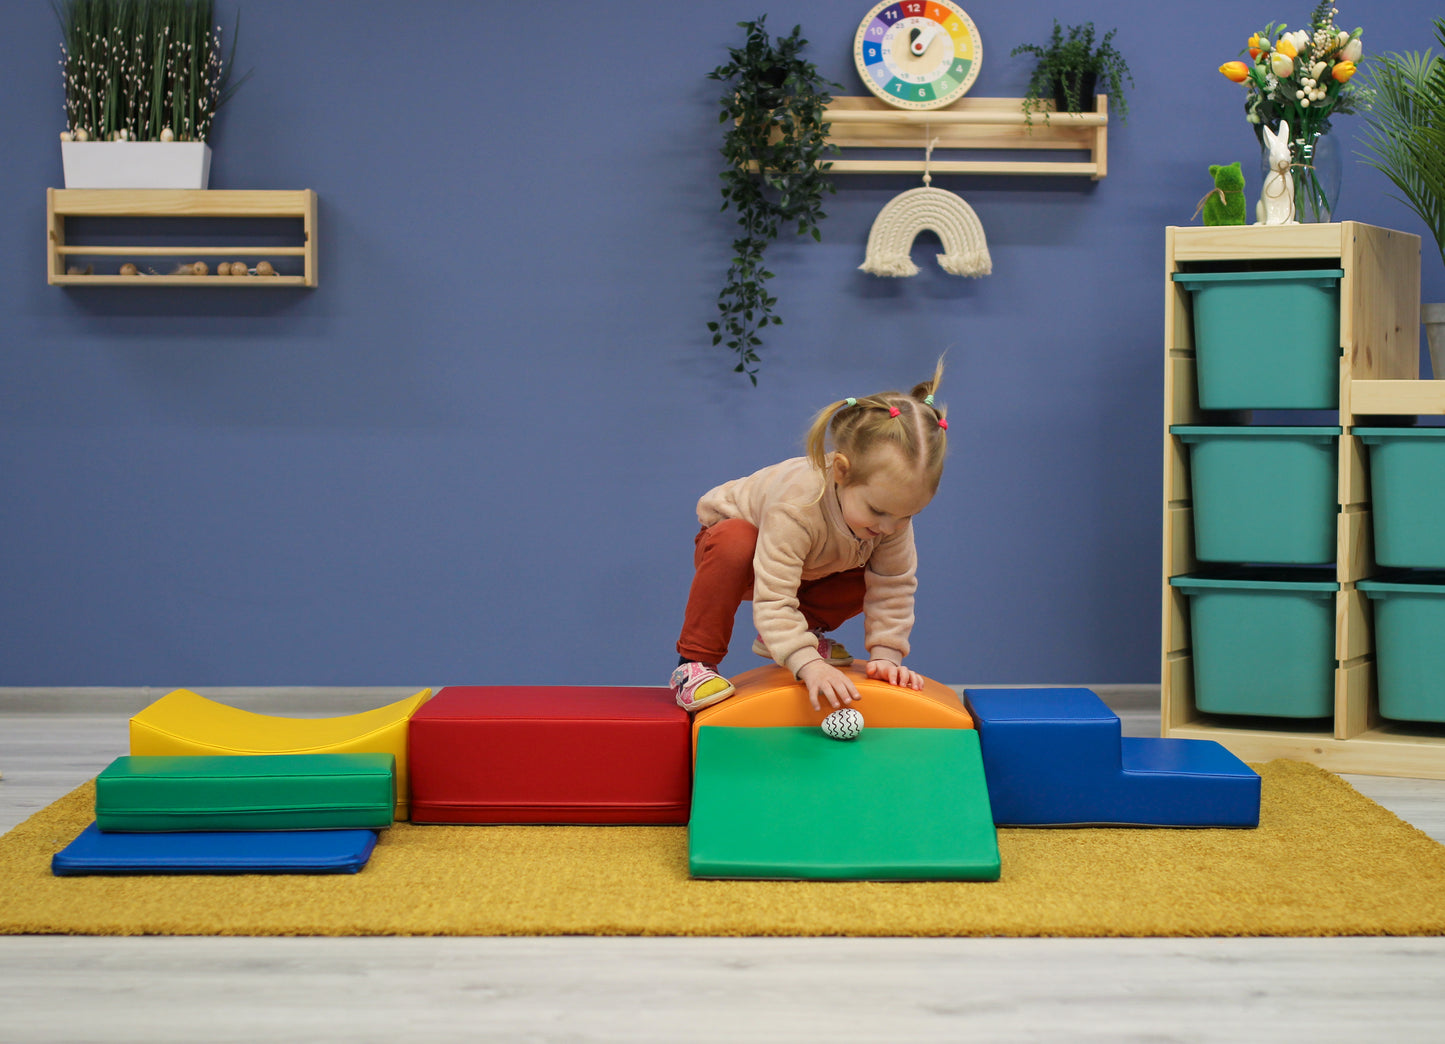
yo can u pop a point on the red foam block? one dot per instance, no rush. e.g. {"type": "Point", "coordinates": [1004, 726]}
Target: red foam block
{"type": "Point", "coordinates": [550, 754]}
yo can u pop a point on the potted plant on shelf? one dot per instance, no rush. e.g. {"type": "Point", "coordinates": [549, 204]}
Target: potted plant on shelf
{"type": "Point", "coordinates": [775, 174]}
{"type": "Point", "coordinates": [1071, 67]}
{"type": "Point", "coordinates": [143, 81]}
{"type": "Point", "coordinates": [1406, 133]}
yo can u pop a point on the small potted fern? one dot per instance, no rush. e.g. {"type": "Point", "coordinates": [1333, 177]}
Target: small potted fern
{"type": "Point", "coordinates": [1070, 67]}
{"type": "Point", "coordinates": [143, 80]}
{"type": "Point", "coordinates": [775, 174]}
{"type": "Point", "coordinates": [1406, 134]}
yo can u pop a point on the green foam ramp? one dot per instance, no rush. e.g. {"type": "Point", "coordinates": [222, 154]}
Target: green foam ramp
{"type": "Point", "coordinates": [891, 805]}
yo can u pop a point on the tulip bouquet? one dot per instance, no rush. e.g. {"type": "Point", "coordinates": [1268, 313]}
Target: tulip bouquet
{"type": "Point", "coordinates": [1300, 78]}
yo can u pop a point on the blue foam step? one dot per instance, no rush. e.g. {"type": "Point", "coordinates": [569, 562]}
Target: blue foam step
{"type": "Point", "coordinates": [221, 852]}
{"type": "Point", "coordinates": [1056, 757]}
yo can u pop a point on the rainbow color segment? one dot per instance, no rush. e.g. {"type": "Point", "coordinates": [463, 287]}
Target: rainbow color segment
{"type": "Point", "coordinates": [954, 44]}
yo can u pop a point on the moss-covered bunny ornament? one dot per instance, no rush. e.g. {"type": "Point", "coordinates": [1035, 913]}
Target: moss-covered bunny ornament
{"type": "Point", "coordinates": [1225, 204]}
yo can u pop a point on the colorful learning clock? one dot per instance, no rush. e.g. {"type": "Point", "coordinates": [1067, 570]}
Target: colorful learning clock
{"type": "Point", "coordinates": [917, 54]}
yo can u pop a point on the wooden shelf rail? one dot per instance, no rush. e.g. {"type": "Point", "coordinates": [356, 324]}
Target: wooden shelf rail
{"type": "Point", "coordinates": [995, 124]}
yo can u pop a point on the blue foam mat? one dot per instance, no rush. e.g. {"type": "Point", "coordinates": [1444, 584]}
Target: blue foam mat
{"type": "Point", "coordinates": [238, 852]}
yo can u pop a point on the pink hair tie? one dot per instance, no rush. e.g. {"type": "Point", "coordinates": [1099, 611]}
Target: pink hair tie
{"type": "Point", "coordinates": [892, 411]}
{"type": "Point", "coordinates": [942, 423]}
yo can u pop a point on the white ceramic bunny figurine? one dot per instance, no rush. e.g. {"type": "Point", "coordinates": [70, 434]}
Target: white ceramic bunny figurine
{"type": "Point", "coordinates": [1276, 200]}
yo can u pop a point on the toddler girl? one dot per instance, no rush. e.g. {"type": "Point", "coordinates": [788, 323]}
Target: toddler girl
{"type": "Point", "coordinates": [814, 541]}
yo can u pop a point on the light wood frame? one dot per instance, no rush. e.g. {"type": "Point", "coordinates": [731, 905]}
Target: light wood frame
{"type": "Point", "coordinates": [1379, 374]}
{"type": "Point", "coordinates": [223, 203]}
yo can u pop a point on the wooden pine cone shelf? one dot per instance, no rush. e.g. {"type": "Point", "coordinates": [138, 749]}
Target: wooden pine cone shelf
{"type": "Point", "coordinates": [186, 203]}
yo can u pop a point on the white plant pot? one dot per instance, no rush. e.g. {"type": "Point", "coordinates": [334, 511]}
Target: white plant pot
{"type": "Point", "coordinates": [1433, 316]}
{"type": "Point", "coordinates": [136, 164]}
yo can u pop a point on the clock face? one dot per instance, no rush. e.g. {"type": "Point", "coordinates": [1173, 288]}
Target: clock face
{"type": "Point", "coordinates": [917, 54]}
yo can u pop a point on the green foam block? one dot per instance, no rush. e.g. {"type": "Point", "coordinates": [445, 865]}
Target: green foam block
{"type": "Point", "coordinates": [164, 793]}
{"type": "Point", "coordinates": [791, 803]}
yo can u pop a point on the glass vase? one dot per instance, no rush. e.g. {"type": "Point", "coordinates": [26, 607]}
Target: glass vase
{"type": "Point", "coordinates": [1317, 170]}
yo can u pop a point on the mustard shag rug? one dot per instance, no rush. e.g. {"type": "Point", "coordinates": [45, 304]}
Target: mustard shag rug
{"type": "Point", "coordinates": [1325, 861]}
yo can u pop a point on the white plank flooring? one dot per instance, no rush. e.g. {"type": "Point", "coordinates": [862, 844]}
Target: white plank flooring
{"type": "Point", "coordinates": [576, 989]}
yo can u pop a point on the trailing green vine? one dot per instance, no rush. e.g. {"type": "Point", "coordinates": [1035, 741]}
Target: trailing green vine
{"type": "Point", "coordinates": [776, 173]}
{"type": "Point", "coordinates": [1064, 61]}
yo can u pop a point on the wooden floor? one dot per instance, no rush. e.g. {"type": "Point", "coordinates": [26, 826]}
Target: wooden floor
{"type": "Point", "coordinates": [581, 989]}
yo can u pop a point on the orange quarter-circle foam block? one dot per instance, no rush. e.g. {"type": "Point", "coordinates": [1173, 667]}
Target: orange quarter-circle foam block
{"type": "Point", "coordinates": [185, 723]}
{"type": "Point", "coordinates": [771, 696]}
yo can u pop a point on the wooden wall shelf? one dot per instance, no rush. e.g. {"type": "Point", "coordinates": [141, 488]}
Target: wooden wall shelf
{"type": "Point", "coordinates": [184, 203]}
{"type": "Point", "coordinates": [1379, 371]}
{"type": "Point", "coordinates": [995, 124]}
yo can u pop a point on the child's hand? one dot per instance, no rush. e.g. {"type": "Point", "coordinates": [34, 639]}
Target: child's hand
{"type": "Point", "coordinates": [894, 674]}
{"type": "Point", "coordinates": [823, 679]}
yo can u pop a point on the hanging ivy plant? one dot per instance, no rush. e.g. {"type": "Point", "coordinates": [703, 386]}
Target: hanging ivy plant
{"type": "Point", "coordinates": [775, 176]}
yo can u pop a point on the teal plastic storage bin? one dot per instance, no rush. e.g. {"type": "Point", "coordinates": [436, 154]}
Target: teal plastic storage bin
{"type": "Point", "coordinates": [1266, 340]}
{"type": "Point", "coordinates": [1263, 643]}
{"type": "Point", "coordinates": [1407, 486]}
{"type": "Point", "coordinates": [1410, 645]}
{"type": "Point", "coordinates": [1263, 494]}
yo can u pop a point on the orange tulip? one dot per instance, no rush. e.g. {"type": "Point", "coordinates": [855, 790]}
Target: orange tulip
{"type": "Point", "coordinates": [1343, 71]}
{"type": "Point", "coordinates": [1236, 71]}
{"type": "Point", "coordinates": [1255, 46]}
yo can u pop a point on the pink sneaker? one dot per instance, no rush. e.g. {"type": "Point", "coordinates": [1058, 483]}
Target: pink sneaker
{"type": "Point", "coordinates": [831, 651]}
{"type": "Point", "coordinates": [695, 686]}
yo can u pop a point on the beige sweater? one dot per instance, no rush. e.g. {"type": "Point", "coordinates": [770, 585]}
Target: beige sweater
{"type": "Point", "coordinates": [802, 536]}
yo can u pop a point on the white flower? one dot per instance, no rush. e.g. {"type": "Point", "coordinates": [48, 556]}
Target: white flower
{"type": "Point", "coordinates": [1351, 51]}
{"type": "Point", "coordinates": [1281, 63]}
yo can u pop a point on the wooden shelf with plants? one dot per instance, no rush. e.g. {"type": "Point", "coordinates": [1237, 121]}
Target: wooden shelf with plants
{"type": "Point", "coordinates": [1379, 302]}
{"type": "Point", "coordinates": [180, 203]}
{"type": "Point", "coordinates": [994, 124]}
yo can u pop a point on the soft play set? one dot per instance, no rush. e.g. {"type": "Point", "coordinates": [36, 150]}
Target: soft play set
{"type": "Point", "coordinates": [911, 789]}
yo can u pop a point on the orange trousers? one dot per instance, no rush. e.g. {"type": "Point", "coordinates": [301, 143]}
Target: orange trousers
{"type": "Point", "coordinates": [723, 560]}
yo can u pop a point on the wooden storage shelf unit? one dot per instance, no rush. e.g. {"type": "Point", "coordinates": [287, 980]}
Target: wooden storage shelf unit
{"type": "Point", "coordinates": [180, 203]}
{"type": "Point", "coordinates": [1379, 374]}
{"type": "Point", "coordinates": [996, 124]}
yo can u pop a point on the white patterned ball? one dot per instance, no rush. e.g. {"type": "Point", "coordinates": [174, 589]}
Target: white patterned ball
{"type": "Point", "coordinates": [844, 724]}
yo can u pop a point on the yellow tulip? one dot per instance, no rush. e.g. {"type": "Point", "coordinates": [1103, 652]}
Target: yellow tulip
{"type": "Point", "coordinates": [1236, 71]}
{"type": "Point", "coordinates": [1281, 64]}
{"type": "Point", "coordinates": [1343, 71]}
{"type": "Point", "coordinates": [1286, 46]}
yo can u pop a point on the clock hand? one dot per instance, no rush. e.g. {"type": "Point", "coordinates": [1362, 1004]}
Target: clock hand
{"type": "Point", "coordinates": [920, 39]}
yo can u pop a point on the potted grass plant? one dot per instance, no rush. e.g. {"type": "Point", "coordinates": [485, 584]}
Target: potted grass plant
{"type": "Point", "coordinates": [1405, 133]}
{"type": "Point", "coordinates": [1071, 67]}
{"type": "Point", "coordinates": [775, 174]}
{"type": "Point", "coordinates": [143, 82]}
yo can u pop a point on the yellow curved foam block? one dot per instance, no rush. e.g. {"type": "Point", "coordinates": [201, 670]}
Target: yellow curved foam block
{"type": "Point", "coordinates": [772, 696]}
{"type": "Point", "coordinates": [184, 723]}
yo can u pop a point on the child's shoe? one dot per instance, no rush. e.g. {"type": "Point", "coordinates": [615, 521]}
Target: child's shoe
{"type": "Point", "coordinates": [832, 652]}
{"type": "Point", "coordinates": [695, 686]}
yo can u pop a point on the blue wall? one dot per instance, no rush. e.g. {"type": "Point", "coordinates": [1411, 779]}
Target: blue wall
{"type": "Point", "coordinates": [471, 455]}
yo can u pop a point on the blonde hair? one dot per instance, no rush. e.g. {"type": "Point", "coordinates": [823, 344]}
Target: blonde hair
{"type": "Point", "coordinates": [857, 428]}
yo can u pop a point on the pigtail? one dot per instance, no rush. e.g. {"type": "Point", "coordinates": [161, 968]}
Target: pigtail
{"type": "Point", "coordinates": [816, 442]}
{"type": "Point", "coordinates": [926, 390]}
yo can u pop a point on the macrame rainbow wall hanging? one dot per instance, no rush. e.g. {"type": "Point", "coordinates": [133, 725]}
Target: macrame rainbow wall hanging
{"type": "Point", "coordinates": [948, 215]}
